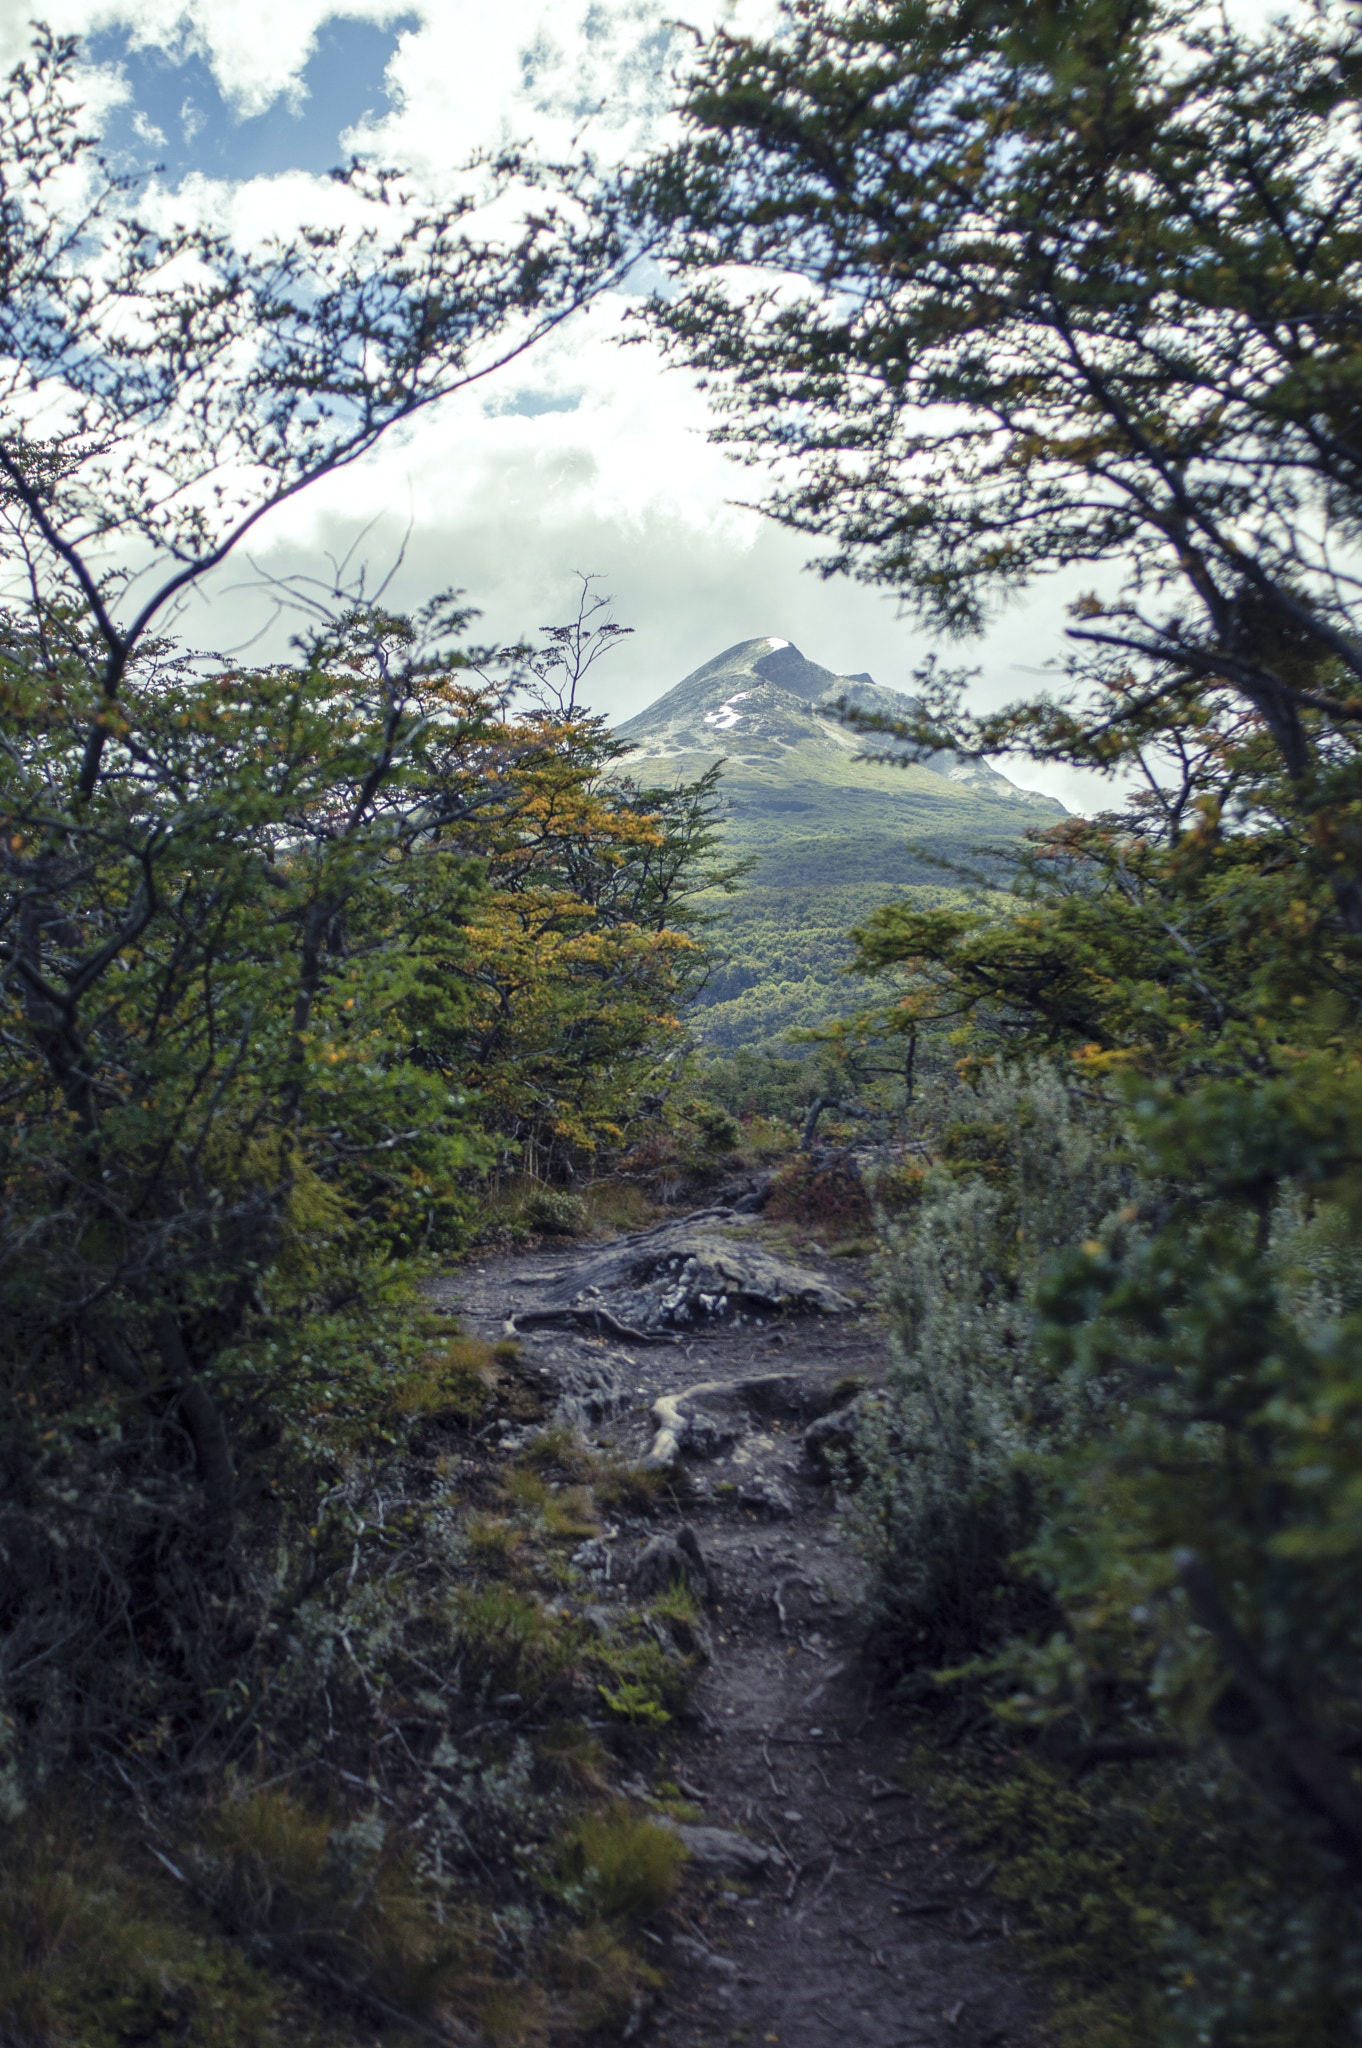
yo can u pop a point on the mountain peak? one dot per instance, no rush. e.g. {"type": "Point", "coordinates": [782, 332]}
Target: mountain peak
{"type": "Point", "coordinates": [756, 704]}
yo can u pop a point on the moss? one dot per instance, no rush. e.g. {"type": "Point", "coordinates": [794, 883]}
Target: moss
{"type": "Point", "coordinates": [644, 1683]}
{"type": "Point", "coordinates": [458, 1378]}
{"type": "Point", "coordinates": [619, 1484]}
{"type": "Point", "coordinates": [510, 1643]}
{"type": "Point", "coordinates": [562, 1513]}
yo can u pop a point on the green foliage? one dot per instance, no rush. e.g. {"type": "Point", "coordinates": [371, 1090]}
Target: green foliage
{"type": "Point", "coordinates": [1206, 954]}
{"type": "Point", "coordinates": [717, 1128]}
{"type": "Point", "coordinates": [1154, 1908]}
{"type": "Point", "coordinates": [98, 1951]}
{"type": "Point", "coordinates": [635, 1702]}
{"type": "Point", "coordinates": [1213, 1514]}
{"type": "Point", "coordinates": [1114, 1480]}
{"type": "Point", "coordinates": [289, 957]}
{"type": "Point", "coordinates": [557, 1213]}
{"type": "Point", "coordinates": [308, 1888]}
{"type": "Point", "coordinates": [619, 1866]}
{"type": "Point", "coordinates": [786, 958]}
{"type": "Point", "coordinates": [827, 1194]}
{"type": "Point", "coordinates": [1024, 1167]}
{"type": "Point", "coordinates": [1113, 1484]}
{"type": "Point", "coordinates": [1156, 210]}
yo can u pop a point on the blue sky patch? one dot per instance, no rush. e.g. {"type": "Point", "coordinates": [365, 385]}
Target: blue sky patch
{"type": "Point", "coordinates": [530, 404]}
{"type": "Point", "coordinates": [178, 117]}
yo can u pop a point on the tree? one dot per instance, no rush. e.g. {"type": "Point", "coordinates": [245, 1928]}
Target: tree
{"type": "Point", "coordinates": [161, 391]}
{"type": "Point", "coordinates": [999, 291]}
{"type": "Point", "coordinates": [1040, 286]}
{"type": "Point", "coordinates": [575, 965]}
{"type": "Point", "coordinates": [225, 894]}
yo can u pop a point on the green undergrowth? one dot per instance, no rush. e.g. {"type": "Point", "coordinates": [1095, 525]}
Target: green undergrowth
{"type": "Point", "coordinates": [518, 1208]}
{"type": "Point", "coordinates": [1138, 1898]}
{"type": "Point", "coordinates": [1107, 1500]}
{"type": "Point", "coordinates": [399, 1808]}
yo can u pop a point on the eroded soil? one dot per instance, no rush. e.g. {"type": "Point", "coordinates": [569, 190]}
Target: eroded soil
{"type": "Point", "coordinates": [867, 1925]}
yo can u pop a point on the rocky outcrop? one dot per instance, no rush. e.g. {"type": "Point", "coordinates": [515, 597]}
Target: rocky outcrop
{"type": "Point", "coordinates": [709, 1268]}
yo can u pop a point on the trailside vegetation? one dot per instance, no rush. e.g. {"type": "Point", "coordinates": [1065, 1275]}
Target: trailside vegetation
{"type": "Point", "coordinates": [994, 292]}
{"type": "Point", "coordinates": [298, 1736]}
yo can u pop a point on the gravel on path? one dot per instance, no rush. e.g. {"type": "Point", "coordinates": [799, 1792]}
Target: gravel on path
{"type": "Point", "coordinates": [868, 1925]}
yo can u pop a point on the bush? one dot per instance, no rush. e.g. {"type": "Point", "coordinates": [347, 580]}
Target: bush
{"type": "Point", "coordinates": [557, 1213]}
{"type": "Point", "coordinates": [1114, 1486]}
{"type": "Point", "coordinates": [97, 1950]}
{"type": "Point", "coordinates": [304, 1886]}
{"type": "Point", "coordinates": [618, 1867]}
{"type": "Point", "coordinates": [820, 1193]}
{"type": "Point", "coordinates": [948, 1495]}
{"type": "Point", "coordinates": [717, 1128]}
{"type": "Point", "coordinates": [1144, 1894]}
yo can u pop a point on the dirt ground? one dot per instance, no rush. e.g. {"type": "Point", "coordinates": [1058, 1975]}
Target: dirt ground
{"type": "Point", "coordinates": [867, 1926]}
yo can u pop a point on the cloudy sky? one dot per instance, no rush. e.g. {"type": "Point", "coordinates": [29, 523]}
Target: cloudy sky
{"type": "Point", "coordinates": [589, 457]}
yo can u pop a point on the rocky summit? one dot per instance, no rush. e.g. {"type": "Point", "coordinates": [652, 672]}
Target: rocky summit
{"type": "Point", "coordinates": [830, 835]}
{"type": "Point", "coordinates": [763, 706]}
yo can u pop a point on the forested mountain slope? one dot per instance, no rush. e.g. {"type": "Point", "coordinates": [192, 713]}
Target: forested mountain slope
{"type": "Point", "coordinates": [831, 835]}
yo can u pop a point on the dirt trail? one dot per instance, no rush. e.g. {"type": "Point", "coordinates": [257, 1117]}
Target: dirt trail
{"type": "Point", "coordinates": [867, 1926]}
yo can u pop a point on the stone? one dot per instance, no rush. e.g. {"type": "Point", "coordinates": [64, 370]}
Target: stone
{"type": "Point", "coordinates": [676, 1275]}
{"type": "Point", "coordinates": [686, 1422]}
{"type": "Point", "coordinates": [831, 1441]}
{"type": "Point", "coordinates": [593, 1558]}
{"type": "Point", "coordinates": [691, 1638]}
{"type": "Point", "coordinates": [706, 1435]}
{"type": "Point", "coordinates": [665, 1559]}
{"type": "Point", "coordinates": [732, 1855]}
{"type": "Point", "coordinates": [696, 1952]}
{"type": "Point", "coordinates": [766, 1497]}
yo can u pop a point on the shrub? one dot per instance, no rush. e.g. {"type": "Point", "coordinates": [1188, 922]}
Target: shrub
{"type": "Point", "coordinates": [717, 1129]}
{"type": "Point", "coordinates": [97, 1950]}
{"type": "Point", "coordinates": [1115, 1483]}
{"type": "Point", "coordinates": [557, 1213]}
{"type": "Point", "coordinates": [615, 1866]}
{"type": "Point", "coordinates": [948, 1495]}
{"type": "Point", "coordinates": [820, 1192]}
{"type": "Point", "coordinates": [1145, 1894]}
{"type": "Point", "coordinates": [307, 1886]}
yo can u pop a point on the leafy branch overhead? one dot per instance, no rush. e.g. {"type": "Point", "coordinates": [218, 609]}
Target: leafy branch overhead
{"type": "Point", "coordinates": [1045, 288]}
{"type": "Point", "coordinates": [162, 389]}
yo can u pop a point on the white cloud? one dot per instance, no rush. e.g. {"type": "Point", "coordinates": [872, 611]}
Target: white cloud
{"type": "Point", "coordinates": [585, 456]}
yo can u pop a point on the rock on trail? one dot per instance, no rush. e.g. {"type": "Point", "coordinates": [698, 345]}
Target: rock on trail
{"type": "Point", "coordinates": [834, 1907]}
{"type": "Point", "coordinates": [710, 1267]}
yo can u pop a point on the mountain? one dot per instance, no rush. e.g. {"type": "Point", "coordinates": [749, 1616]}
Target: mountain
{"type": "Point", "coordinates": [831, 836]}
{"type": "Point", "coordinates": [756, 704]}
